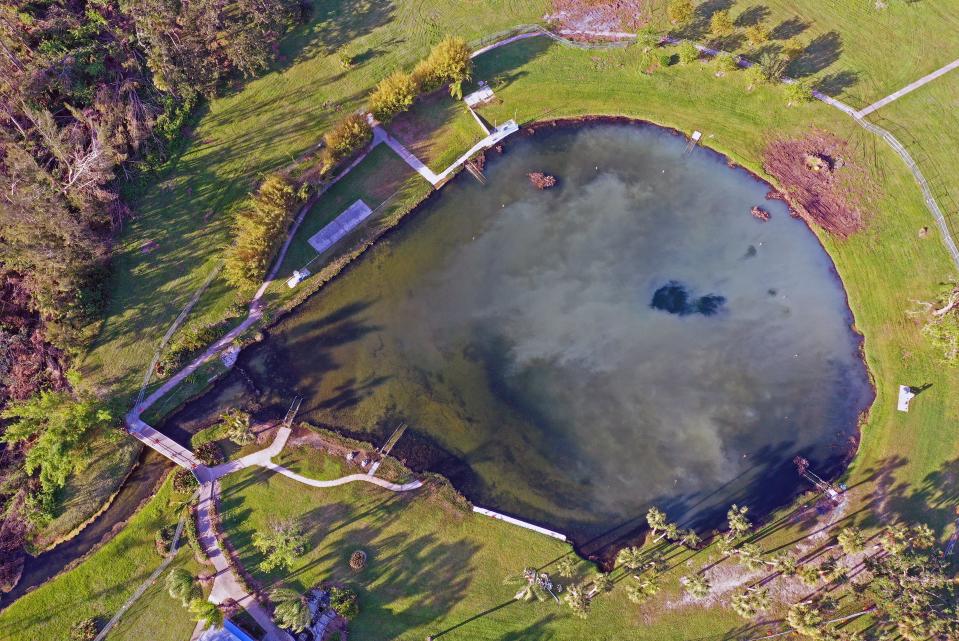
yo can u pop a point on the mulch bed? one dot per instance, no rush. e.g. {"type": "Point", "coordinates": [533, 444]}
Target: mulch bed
{"type": "Point", "coordinates": [824, 185]}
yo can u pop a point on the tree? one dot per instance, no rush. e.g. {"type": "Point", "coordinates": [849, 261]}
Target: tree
{"type": "Point", "coordinates": [648, 38]}
{"type": "Point", "coordinates": [632, 558]}
{"type": "Point", "coordinates": [281, 545]}
{"type": "Point", "coordinates": [721, 25]}
{"type": "Point", "coordinates": [602, 583]}
{"type": "Point", "coordinates": [450, 62]}
{"type": "Point", "coordinates": [805, 619]}
{"type": "Point", "coordinates": [851, 540]}
{"type": "Point", "coordinates": [566, 568]}
{"type": "Point", "coordinates": [773, 66]}
{"type": "Point", "coordinates": [350, 134]}
{"type": "Point", "coordinates": [697, 585]}
{"type": "Point", "coordinates": [680, 12]}
{"type": "Point", "coordinates": [797, 92]}
{"type": "Point", "coordinates": [751, 602]}
{"type": "Point", "coordinates": [180, 584]}
{"type": "Point", "coordinates": [688, 53]}
{"type": "Point", "coordinates": [751, 556]}
{"type": "Point", "coordinates": [757, 35]}
{"type": "Point", "coordinates": [786, 564]}
{"type": "Point", "coordinates": [260, 229]}
{"type": "Point", "coordinates": [203, 610]}
{"type": "Point", "coordinates": [656, 519]}
{"type": "Point", "coordinates": [344, 602]}
{"type": "Point", "coordinates": [739, 525]}
{"type": "Point", "coordinates": [394, 95]}
{"type": "Point", "coordinates": [690, 539]}
{"type": "Point", "coordinates": [754, 77]}
{"type": "Point", "coordinates": [292, 610]}
{"type": "Point", "coordinates": [726, 62]}
{"type": "Point", "coordinates": [793, 48]}
{"type": "Point", "coordinates": [236, 425]}
{"type": "Point", "coordinates": [60, 428]}
{"type": "Point", "coordinates": [577, 600]}
{"type": "Point", "coordinates": [643, 589]}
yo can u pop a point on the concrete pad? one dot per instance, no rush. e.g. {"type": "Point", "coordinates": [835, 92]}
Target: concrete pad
{"type": "Point", "coordinates": [340, 226]}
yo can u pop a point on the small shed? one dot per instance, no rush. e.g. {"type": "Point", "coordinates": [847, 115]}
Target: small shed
{"type": "Point", "coordinates": [297, 277]}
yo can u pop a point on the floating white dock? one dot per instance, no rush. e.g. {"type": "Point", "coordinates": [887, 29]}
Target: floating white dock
{"type": "Point", "coordinates": [905, 395]}
{"type": "Point", "coordinates": [523, 524]}
{"type": "Point", "coordinates": [340, 227]}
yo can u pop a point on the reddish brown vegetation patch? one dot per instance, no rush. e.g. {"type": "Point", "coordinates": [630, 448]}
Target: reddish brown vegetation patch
{"type": "Point", "coordinates": [759, 213]}
{"type": "Point", "coordinates": [822, 185]}
{"type": "Point", "coordinates": [541, 180]}
{"type": "Point", "coordinates": [598, 15]}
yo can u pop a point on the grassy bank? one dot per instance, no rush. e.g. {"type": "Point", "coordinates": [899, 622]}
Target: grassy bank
{"type": "Point", "coordinates": [100, 585]}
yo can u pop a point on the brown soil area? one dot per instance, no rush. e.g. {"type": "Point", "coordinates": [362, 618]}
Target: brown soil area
{"type": "Point", "coordinates": [824, 186]}
{"type": "Point", "coordinates": [599, 15]}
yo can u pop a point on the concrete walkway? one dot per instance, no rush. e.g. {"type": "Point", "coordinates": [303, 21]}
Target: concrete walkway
{"type": "Point", "coordinates": [912, 86]}
{"type": "Point", "coordinates": [381, 135]}
{"type": "Point", "coordinates": [226, 585]}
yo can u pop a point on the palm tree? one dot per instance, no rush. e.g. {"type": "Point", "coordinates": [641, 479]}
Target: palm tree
{"type": "Point", "coordinates": [292, 610]}
{"type": "Point", "coordinates": [656, 519]}
{"type": "Point", "coordinates": [751, 602]}
{"type": "Point", "coordinates": [577, 599]}
{"type": "Point", "coordinates": [738, 523]}
{"type": "Point", "coordinates": [690, 539]}
{"type": "Point", "coordinates": [697, 585]}
{"type": "Point", "coordinates": [181, 585]}
{"type": "Point", "coordinates": [631, 558]}
{"type": "Point", "coordinates": [851, 540]}
{"type": "Point", "coordinates": [203, 610]}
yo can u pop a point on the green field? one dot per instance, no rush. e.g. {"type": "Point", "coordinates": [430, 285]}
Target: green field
{"type": "Point", "coordinates": [100, 585]}
{"type": "Point", "coordinates": [857, 52]}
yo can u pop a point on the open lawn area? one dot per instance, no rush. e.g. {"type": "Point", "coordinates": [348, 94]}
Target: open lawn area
{"type": "Point", "coordinates": [854, 50]}
{"type": "Point", "coordinates": [437, 117]}
{"type": "Point", "coordinates": [926, 121]}
{"type": "Point", "coordinates": [100, 585]}
{"type": "Point", "coordinates": [432, 567]}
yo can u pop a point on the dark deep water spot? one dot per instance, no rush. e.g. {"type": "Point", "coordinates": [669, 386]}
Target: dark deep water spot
{"type": "Point", "coordinates": [674, 298]}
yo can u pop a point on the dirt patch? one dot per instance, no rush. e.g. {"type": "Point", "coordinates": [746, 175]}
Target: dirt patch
{"type": "Point", "coordinates": [823, 184]}
{"type": "Point", "coordinates": [599, 15]}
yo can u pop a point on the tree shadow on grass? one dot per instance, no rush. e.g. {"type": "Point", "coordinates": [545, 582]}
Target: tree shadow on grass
{"type": "Point", "coordinates": [835, 84]}
{"type": "Point", "coordinates": [822, 52]}
{"type": "Point", "coordinates": [333, 25]}
{"type": "Point", "coordinates": [753, 15]}
{"type": "Point", "coordinates": [788, 29]}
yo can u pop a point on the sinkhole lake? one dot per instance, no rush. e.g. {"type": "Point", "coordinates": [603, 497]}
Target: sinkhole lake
{"type": "Point", "coordinates": [633, 336]}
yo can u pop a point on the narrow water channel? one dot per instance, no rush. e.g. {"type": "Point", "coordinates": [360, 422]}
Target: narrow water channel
{"type": "Point", "coordinates": [633, 336]}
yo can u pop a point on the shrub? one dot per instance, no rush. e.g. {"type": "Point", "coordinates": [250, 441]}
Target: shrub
{"type": "Point", "coordinates": [394, 95]}
{"type": "Point", "coordinates": [680, 12]}
{"type": "Point", "coordinates": [754, 77]}
{"type": "Point", "coordinates": [798, 92]}
{"type": "Point", "coordinates": [84, 630]}
{"type": "Point", "coordinates": [209, 453]}
{"type": "Point", "coordinates": [726, 63]}
{"type": "Point", "coordinates": [793, 48]}
{"type": "Point", "coordinates": [344, 602]}
{"type": "Point", "coordinates": [346, 60]}
{"type": "Point", "coordinates": [188, 341]}
{"type": "Point", "coordinates": [721, 25]}
{"type": "Point", "coordinates": [773, 67]}
{"type": "Point", "coordinates": [347, 136]}
{"type": "Point", "coordinates": [259, 230]}
{"type": "Point", "coordinates": [757, 35]}
{"type": "Point", "coordinates": [450, 62]}
{"type": "Point", "coordinates": [235, 424]}
{"type": "Point", "coordinates": [425, 77]}
{"type": "Point", "coordinates": [666, 59]}
{"type": "Point", "coordinates": [163, 539]}
{"type": "Point", "coordinates": [358, 560]}
{"type": "Point", "coordinates": [688, 53]}
{"type": "Point", "coordinates": [183, 481]}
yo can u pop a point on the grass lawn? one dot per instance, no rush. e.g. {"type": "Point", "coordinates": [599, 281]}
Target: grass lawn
{"type": "Point", "coordinates": [432, 567]}
{"type": "Point", "coordinates": [926, 121]}
{"type": "Point", "coordinates": [313, 463]}
{"type": "Point", "coordinates": [437, 117]}
{"type": "Point", "coordinates": [86, 492]}
{"type": "Point", "coordinates": [100, 585]}
{"type": "Point", "coordinates": [855, 51]}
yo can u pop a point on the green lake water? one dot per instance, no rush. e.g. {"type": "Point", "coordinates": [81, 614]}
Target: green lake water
{"type": "Point", "coordinates": [513, 330]}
